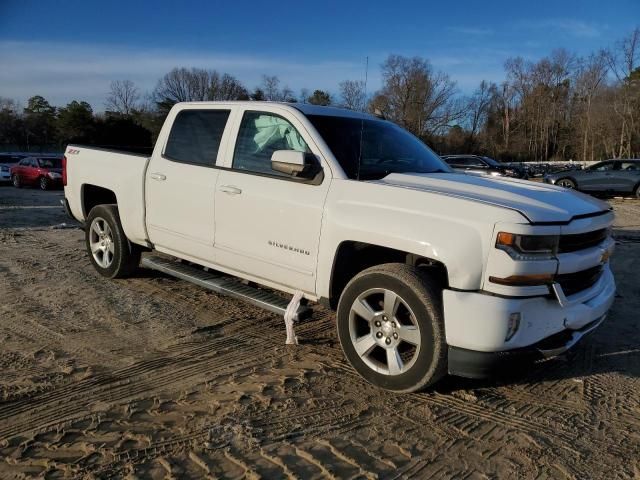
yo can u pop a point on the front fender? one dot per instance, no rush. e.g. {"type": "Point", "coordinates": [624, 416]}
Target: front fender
{"type": "Point", "coordinates": [454, 231]}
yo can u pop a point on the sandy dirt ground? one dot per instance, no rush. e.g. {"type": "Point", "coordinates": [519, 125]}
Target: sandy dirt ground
{"type": "Point", "coordinates": [152, 377]}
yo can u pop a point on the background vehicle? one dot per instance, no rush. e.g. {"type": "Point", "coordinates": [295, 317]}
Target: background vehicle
{"type": "Point", "coordinates": [44, 172]}
{"type": "Point", "coordinates": [611, 176]}
{"type": "Point", "coordinates": [430, 272]}
{"type": "Point", "coordinates": [8, 160]}
{"type": "Point", "coordinates": [476, 164]}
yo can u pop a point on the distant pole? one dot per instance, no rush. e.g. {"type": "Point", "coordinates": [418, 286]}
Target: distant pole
{"type": "Point", "coordinates": [366, 78]}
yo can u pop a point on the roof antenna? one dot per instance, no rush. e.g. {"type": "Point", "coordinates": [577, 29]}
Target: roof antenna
{"type": "Point", "coordinates": [364, 99]}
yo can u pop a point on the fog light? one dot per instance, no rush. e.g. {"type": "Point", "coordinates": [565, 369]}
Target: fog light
{"type": "Point", "coordinates": [512, 326]}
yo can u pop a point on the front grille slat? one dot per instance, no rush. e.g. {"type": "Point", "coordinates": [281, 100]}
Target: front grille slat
{"type": "Point", "coordinates": [581, 241]}
{"type": "Point", "coordinates": [576, 282]}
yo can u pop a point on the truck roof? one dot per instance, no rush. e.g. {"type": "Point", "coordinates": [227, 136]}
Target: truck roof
{"type": "Point", "coordinates": [306, 108]}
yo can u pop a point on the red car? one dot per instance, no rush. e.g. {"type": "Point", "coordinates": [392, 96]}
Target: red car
{"type": "Point", "coordinates": [44, 172]}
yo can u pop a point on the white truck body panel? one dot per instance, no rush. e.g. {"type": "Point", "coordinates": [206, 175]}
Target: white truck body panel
{"type": "Point", "coordinates": [285, 234]}
{"type": "Point", "coordinates": [121, 173]}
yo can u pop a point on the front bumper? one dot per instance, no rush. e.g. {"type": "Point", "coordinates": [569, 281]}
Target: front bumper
{"type": "Point", "coordinates": [474, 364]}
{"type": "Point", "coordinates": [477, 325]}
{"type": "Point", "coordinates": [5, 176]}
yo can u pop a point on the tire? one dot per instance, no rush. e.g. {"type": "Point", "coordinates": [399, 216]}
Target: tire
{"type": "Point", "coordinates": [412, 331]}
{"type": "Point", "coordinates": [44, 183]}
{"type": "Point", "coordinates": [566, 183]}
{"type": "Point", "coordinates": [16, 181]}
{"type": "Point", "coordinates": [636, 191]}
{"type": "Point", "coordinates": [110, 251]}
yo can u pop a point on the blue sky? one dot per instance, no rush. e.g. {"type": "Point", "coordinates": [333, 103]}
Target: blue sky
{"type": "Point", "coordinates": [70, 49]}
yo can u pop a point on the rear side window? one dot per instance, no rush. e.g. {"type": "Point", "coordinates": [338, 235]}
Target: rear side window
{"type": "Point", "coordinates": [195, 136]}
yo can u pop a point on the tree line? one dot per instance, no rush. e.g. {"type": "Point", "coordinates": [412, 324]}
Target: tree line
{"type": "Point", "coordinates": [563, 107]}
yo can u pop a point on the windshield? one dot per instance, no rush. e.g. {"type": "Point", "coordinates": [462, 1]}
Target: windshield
{"type": "Point", "coordinates": [50, 162]}
{"type": "Point", "coordinates": [386, 148]}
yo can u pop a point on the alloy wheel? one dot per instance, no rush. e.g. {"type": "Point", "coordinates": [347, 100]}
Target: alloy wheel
{"type": "Point", "coordinates": [384, 331]}
{"type": "Point", "coordinates": [101, 242]}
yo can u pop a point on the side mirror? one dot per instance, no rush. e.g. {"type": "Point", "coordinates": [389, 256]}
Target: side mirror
{"type": "Point", "coordinates": [295, 164]}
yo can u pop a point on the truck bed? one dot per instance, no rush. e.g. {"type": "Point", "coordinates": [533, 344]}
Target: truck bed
{"type": "Point", "coordinates": [119, 172]}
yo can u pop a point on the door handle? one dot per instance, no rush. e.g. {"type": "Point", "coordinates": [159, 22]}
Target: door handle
{"type": "Point", "coordinates": [158, 176]}
{"type": "Point", "coordinates": [230, 189]}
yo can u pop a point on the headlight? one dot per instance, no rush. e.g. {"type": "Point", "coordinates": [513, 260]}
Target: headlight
{"type": "Point", "coordinates": [528, 247]}
{"type": "Point", "coordinates": [54, 175]}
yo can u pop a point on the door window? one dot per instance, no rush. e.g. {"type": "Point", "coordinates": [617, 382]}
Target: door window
{"type": "Point", "coordinates": [457, 162]}
{"type": "Point", "coordinates": [195, 136]}
{"type": "Point", "coordinates": [602, 167]}
{"type": "Point", "coordinates": [630, 166]}
{"type": "Point", "coordinates": [260, 135]}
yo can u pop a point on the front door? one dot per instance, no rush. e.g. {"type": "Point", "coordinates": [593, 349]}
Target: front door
{"type": "Point", "coordinates": [597, 177]}
{"type": "Point", "coordinates": [181, 181]}
{"type": "Point", "coordinates": [626, 176]}
{"type": "Point", "coordinates": [268, 224]}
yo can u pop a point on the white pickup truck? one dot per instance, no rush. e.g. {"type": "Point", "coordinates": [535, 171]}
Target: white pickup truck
{"type": "Point", "coordinates": [430, 271]}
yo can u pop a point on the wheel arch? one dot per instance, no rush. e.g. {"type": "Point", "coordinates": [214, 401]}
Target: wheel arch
{"type": "Point", "coordinates": [352, 257]}
{"type": "Point", "coordinates": [93, 195]}
{"type": "Point", "coordinates": [568, 177]}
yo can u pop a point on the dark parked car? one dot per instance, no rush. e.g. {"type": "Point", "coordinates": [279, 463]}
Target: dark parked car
{"type": "Point", "coordinates": [478, 165]}
{"type": "Point", "coordinates": [610, 176]}
{"type": "Point", "coordinates": [45, 172]}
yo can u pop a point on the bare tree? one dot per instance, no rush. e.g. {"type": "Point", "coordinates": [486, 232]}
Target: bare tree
{"type": "Point", "coordinates": [416, 97]}
{"type": "Point", "coordinates": [590, 77]}
{"type": "Point", "coordinates": [196, 84]}
{"type": "Point", "coordinates": [353, 94]}
{"type": "Point", "coordinates": [123, 97]}
{"type": "Point", "coordinates": [478, 107]}
{"type": "Point", "coordinates": [226, 87]}
{"type": "Point", "coordinates": [623, 61]}
{"type": "Point", "coordinates": [271, 88]}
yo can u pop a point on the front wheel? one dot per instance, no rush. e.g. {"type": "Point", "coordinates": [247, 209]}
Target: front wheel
{"type": "Point", "coordinates": [111, 253]}
{"type": "Point", "coordinates": [391, 327]}
{"type": "Point", "coordinates": [16, 181]}
{"type": "Point", "coordinates": [566, 183]}
{"type": "Point", "coordinates": [44, 183]}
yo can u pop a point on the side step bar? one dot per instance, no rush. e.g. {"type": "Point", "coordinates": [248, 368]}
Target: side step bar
{"type": "Point", "coordinates": [224, 285]}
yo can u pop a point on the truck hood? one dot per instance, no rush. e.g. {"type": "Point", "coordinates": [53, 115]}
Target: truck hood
{"type": "Point", "coordinates": [538, 202]}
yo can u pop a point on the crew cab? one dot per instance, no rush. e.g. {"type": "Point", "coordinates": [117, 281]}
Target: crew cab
{"type": "Point", "coordinates": [429, 271]}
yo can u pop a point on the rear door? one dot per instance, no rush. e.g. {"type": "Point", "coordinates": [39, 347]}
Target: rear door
{"type": "Point", "coordinates": [21, 167]}
{"type": "Point", "coordinates": [181, 181]}
{"type": "Point", "coordinates": [268, 224]}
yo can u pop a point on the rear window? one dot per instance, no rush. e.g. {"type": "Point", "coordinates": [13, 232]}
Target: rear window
{"type": "Point", "coordinates": [195, 136]}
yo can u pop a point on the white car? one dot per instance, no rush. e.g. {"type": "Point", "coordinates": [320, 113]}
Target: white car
{"type": "Point", "coordinates": [8, 160]}
{"type": "Point", "coordinates": [430, 272]}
